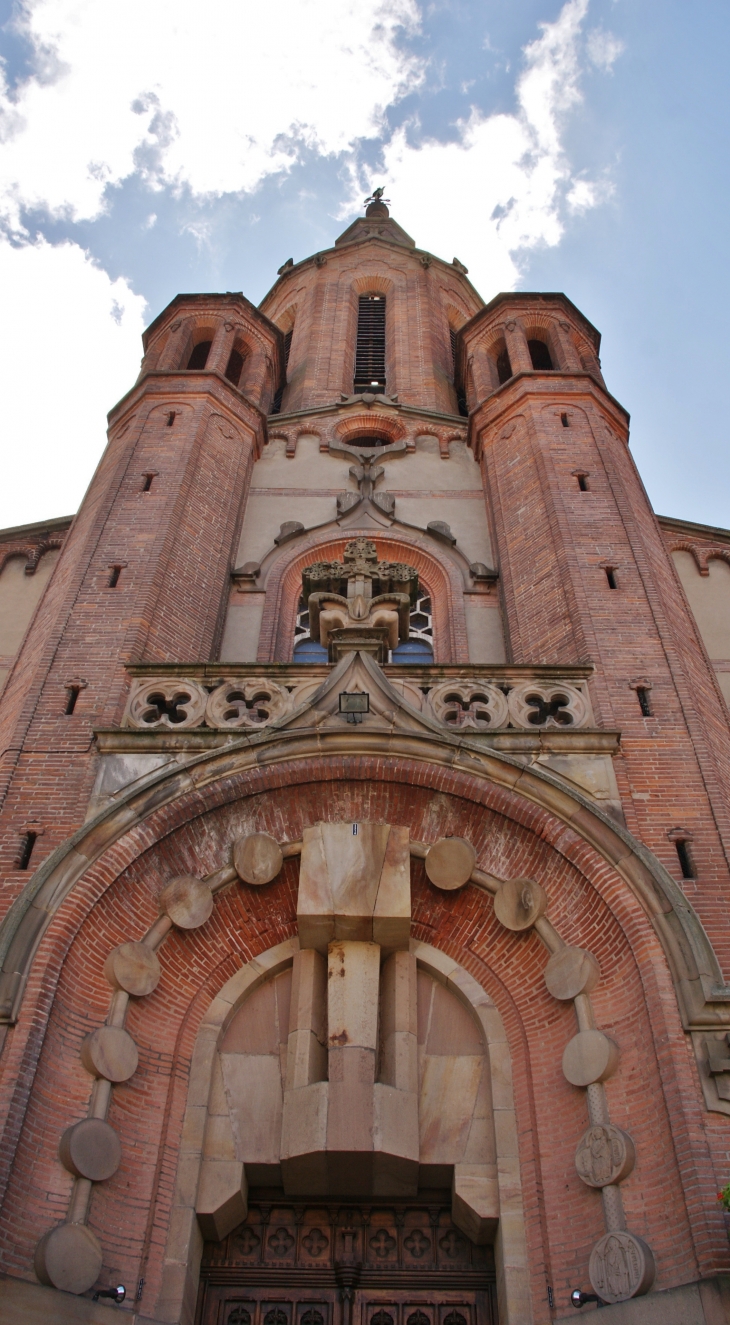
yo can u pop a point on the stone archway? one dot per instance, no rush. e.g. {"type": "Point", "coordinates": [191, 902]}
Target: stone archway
{"type": "Point", "coordinates": [467, 1145]}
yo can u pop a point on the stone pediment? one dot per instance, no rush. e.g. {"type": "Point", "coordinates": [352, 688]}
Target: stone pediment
{"type": "Point", "coordinates": [359, 674]}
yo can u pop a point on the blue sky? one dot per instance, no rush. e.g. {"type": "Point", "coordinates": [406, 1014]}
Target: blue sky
{"type": "Point", "coordinates": [154, 146]}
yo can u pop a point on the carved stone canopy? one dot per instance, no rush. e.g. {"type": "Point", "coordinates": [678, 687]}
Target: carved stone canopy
{"type": "Point", "coordinates": [361, 594]}
{"type": "Point", "coordinates": [360, 561]}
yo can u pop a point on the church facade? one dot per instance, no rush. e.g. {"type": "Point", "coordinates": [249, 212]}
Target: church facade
{"type": "Point", "coordinates": [364, 832]}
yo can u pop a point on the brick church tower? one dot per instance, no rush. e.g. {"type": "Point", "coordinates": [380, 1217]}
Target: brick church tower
{"type": "Point", "coordinates": [364, 832]}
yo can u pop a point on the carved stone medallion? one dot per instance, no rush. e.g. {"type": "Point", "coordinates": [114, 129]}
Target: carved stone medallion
{"type": "Point", "coordinates": [621, 1266]}
{"type": "Point", "coordinates": [605, 1155]}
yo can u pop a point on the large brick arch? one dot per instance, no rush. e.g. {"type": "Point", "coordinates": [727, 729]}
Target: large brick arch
{"type": "Point", "coordinates": [216, 799]}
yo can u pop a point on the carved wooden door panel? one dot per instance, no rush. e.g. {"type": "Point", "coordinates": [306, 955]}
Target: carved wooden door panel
{"type": "Point", "coordinates": [317, 1263]}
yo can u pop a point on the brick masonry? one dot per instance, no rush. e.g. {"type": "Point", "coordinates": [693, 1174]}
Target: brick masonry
{"type": "Point", "coordinates": [174, 546]}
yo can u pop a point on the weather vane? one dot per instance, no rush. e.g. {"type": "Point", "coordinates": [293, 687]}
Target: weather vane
{"type": "Point", "coordinates": [377, 196]}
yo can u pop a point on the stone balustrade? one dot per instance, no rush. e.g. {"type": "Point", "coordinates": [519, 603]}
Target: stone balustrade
{"type": "Point", "coordinates": [249, 697]}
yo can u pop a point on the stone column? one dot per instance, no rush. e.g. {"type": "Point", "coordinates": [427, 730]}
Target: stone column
{"type": "Point", "coordinates": [516, 342]}
{"type": "Point", "coordinates": [357, 1132]}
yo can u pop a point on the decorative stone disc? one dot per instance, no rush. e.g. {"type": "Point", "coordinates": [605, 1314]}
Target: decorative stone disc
{"type": "Point", "coordinates": [449, 862]}
{"type": "Point", "coordinates": [621, 1266]}
{"type": "Point", "coordinates": [589, 1057]}
{"type": "Point", "coordinates": [519, 903]}
{"type": "Point", "coordinates": [257, 858]}
{"type": "Point", "coordinates": [109, 1052]}
{"type": "Point", "coordinates": [68, 1257]}
{"type": "Point", "coordinates": [134, 968]}
{"type": "Point", "coordinates": [605, 1155]}
{"type": "Point", "coordinates": [187, 901]}
{"type": "Point", "coordinates": [570, 972]}
{"type": "Point", "coordinates": [91, 1149]}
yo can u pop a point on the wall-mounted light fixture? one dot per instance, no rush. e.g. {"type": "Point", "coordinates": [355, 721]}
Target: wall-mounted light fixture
{"type": "Point", "coordinates": [579, 1299]}
{"type": "Point", "coordinates": [353, 704]}
{"type": "Point", "coordinates": [117, 1294]}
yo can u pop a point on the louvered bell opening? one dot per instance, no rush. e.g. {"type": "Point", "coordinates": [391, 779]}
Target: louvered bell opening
{"type": "Point", "coordinates": [460, 396]}
{"type": "Point", "coordinates": [370, 349]}
{"type": "Point", "coordinates": [276, 406]}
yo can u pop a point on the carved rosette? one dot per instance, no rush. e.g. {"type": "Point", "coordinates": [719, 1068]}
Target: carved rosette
{"type": "Point", "coordinates": [469, 704]}
{"type": "Point", "coordinates": [542, 707]}
{"type": "Point", "coordinates": [249, 702]}
{"type": "Point", "coordinates": [167, 702]}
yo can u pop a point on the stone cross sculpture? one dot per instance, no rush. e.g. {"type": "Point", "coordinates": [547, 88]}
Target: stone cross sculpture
{"type": "Point", "coordinates": [359, 602]}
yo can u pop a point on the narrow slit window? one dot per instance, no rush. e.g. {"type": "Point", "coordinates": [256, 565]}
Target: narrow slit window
{"type": "Point", "coordinates": [199, 357]}
{"type": "Point", "coordinates": [565, 420]}
{"type": "Point", "coordinates": [686, 863]}
{"type": "Point", "coordinates": [73, 694]}
{"type": "Point", "coordinates": [276, 406]}
{"type": "Point", "coordinates": [540, 356]}
{"type": "Point", "coordinates": [234, 367]}
{"type": "Point", "coordinates": [611, 577]}
{"type": "Point", "coordinates": [148, 480]}
{"type": "Point", "coordinates": [26, 850]}
{"type": "Point", "coordinates": [171, 418]}
{"type": "Point", "coordinates": [452, 337]}
{"type": "Point", "coordinates": [582, 482]}
{"type": "Point", "coordinates": [370, 345]}
{"type": "Point", "coordinates": [642, 694]}
{"type": "Point", "coordinates": [114, 577]}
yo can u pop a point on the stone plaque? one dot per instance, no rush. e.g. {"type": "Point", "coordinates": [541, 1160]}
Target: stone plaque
{"type": "Point", "coordinates": [605, 1155]}
{"type": "Point", "coordinates": [589, 1057]}
{"type": "Point", "coordinates": [109, 1052]}
{"type": "Point", "coordinates": [187, 901]}
{"type": "Point", "coordinates": [449, 862]}
{"type": "Point", "coordinates": [621, 1266]}
{"type": "Point", "coordinates": [68, 1257]}
{"type": "Point", "coordinates": [570, 972]}
{"type": "Point", "coordinates": [519, 903]}
{"type": "Point", "coordinates": [257, 858]}
{"type": "Point", "coordinates": [91, 1149]}
{"type": "Point", "coordinates": [134, 968]}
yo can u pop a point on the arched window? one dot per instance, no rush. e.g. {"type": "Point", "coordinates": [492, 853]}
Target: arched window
{"type": "Point", "coordinates": [234, 368]}
{"type": "Point", "coordinates": [370, 345]}
{"type": "Point", "coordinates": [276, 406]}
{"type": "Point", "coordinates": [540, 355]}
{"type": "Point", "coordinates": [418, 648]}
{"type": "Point", "coordinates": [199, 356]}
{"type": "Point", "coordinates": [306, 650]}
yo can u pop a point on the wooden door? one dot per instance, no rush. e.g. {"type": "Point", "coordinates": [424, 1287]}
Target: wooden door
{"type": "Point", "coordinates": [330, 1263]}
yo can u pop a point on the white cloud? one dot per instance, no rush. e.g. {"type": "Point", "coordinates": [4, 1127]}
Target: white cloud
{"type": "Point", "coordinates": [500, 189]}
{"type": "Point", "coordinates": [70, 347]}
{"type": "Point", "coordinates": [603, 49]}
{"type": "Point", "coordinates": [215, 97]}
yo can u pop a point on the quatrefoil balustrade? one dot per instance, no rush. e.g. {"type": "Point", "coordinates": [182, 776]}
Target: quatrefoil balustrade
{"type": "Point", "coordinates": [246, 704]}
{"type": "Point", "coordinates": [168, 703]}
{"type": "Point", "coordinates": [539, 706]}
{"type": "Point", "coordinates": [467, 704]}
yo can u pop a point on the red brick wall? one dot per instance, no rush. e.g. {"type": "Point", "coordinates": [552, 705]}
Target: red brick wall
{"type": "Point", "coordinates": [655, 1094]}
